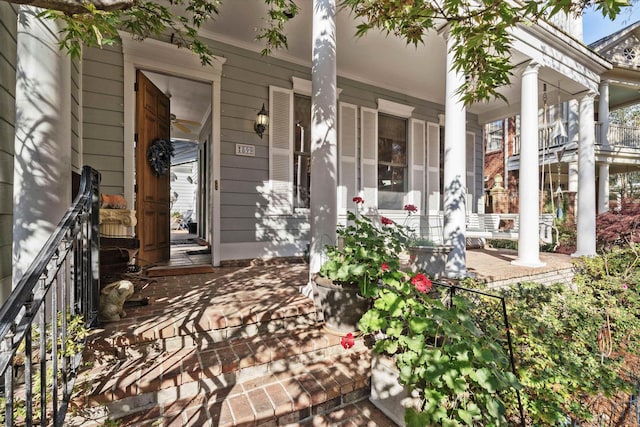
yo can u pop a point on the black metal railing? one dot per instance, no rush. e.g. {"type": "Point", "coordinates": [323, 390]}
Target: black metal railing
{"type": "Point", "coordinates": [492, 312]}
{"type": "Point", "coordinates": [44, 321]}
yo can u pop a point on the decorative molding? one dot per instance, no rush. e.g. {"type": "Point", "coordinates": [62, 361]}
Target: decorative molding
{"type": "Point", "coordinates": [303, 86]}
{"type": "Point", "coordinates": [394, 108]}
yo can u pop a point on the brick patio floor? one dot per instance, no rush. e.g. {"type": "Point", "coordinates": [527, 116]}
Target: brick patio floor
{"type": "Point", "coordinates": [239, 347]}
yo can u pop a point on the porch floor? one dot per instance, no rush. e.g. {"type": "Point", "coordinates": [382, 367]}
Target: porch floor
{"type": "Point", "coordinates": [239, 346]}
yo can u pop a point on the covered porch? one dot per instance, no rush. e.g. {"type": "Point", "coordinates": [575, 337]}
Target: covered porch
{"type": "Point", "coordinates": [241, 346]}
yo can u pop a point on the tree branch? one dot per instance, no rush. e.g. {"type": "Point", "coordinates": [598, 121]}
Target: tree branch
{"type": "Point", "coordinates": [70, 7]}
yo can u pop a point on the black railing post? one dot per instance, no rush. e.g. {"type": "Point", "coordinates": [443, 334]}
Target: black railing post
{"type": "Point", "coordinates": [94, 238]}
{"type": "Point", "coordinates": [511, 356]}
{"type": "Point", "coordinates": [70, 257]}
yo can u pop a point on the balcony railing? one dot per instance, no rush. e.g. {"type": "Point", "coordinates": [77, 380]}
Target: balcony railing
{"type": "Point", "coordinates": [43, 322]}
{"type": "Point", "coordinates": [618, 135]}
{"type": "Point", "coordinates": [546, 139]}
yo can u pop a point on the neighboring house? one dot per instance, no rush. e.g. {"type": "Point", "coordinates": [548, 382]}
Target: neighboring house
{"type": "Point", "coordinates": [384, 123]}
{"type": "Point", "coordinates": [617, 147]}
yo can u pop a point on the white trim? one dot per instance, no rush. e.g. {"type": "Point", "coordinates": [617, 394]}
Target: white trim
{"type": "Point", "coordinates": [301, 86]}
{"type": "Point", "coordinates": [154, 55]}
{"type": "Point", "coordinates": [394, 108]}
{"type": "Point", "coordinates": [271, 249]}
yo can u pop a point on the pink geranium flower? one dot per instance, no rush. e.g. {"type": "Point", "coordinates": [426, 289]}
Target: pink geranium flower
{"type": "Point", "coordinates": [358, 200]}
{"type": "Point", "coordinates": [410, 208]}
{"type": "Point", "coordinates": [386, 221]}
{"type": "Point", "coordinates": [421, 283]}
{"type": "Point", "coordinates": [347, 341]}
{"type": "Point", "coordinates": [384, 266]}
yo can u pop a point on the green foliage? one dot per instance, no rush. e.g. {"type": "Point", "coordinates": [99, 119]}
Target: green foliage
{"type": "Point", "coordinates": [363, 252]}
{"type": "Point", "coordinates": [179, 20]}
{"type": "Point", "coordinates": [569, 343]}
{"type": "Point", "coordinates": [481, 31]}
{"type": "Point", "coordinates": [454, 359]}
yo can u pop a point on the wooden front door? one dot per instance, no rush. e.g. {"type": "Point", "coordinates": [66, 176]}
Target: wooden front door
{"type": "Point", "coordinates": [153, 122]}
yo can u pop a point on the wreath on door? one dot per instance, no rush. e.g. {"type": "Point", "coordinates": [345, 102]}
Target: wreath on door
{"type": "Point", "coordinates": [159, 156]}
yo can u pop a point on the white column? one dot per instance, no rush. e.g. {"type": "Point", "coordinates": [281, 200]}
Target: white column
{"type": "Point", "coordinates": [455, 170]}
{"type": "Point", "coordinates": [603, 113]}
{"type": "Point", "coordinates": [324, 160]}
{"type": "Point", "coordinates": [603, 169]}
{"type": "Point", "coordinates": [529, 207]}
{"type": "Point", "coordinates": [42, 175]}
{"type": "Point", "coordinates": [603, 188]}
{"type": "Point", "coordinates": [586, 215]}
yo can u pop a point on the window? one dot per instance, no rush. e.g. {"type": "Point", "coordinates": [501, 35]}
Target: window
{"type": "Point", "coordinates": [495, 136]}
{"type": "Point", "coordinates": [302, 151]}
{"type": "Point", "coordinates": [392, 162]}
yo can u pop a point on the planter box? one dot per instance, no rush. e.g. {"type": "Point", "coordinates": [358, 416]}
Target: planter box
{"type": "Point", "coordinates": [387, 394]}
{"type": "Point", "coordinates": [342, 307]}
{"type": "Point", "coordinates": [430, 259]}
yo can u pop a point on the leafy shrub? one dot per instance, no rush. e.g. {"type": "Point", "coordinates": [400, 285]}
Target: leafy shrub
{"type": "Point", "coordinates": [570, 344]}
{"type": "Point", "coordinates": [457, 363]}
{"type": "Point", "coordinates": [619, 228]}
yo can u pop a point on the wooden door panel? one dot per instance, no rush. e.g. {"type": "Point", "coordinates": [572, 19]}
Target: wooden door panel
{"type": "Point", "coordinates": [153, 122]}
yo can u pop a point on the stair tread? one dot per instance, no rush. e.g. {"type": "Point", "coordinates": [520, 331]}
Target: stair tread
{"type": "Point", "coordinates": [287, 395]}
{"type": "Point", "coordinates": [147, 370]}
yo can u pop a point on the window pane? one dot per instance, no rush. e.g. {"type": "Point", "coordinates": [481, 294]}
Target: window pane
{"type": "Point", "coordinates": [392, 185]}
{"type": "Point", "coordinates": [302, 151]}
{"type": "Point", "coordinates": [392, 162]}
{"type": "Point", "coordinates": [495, 135]}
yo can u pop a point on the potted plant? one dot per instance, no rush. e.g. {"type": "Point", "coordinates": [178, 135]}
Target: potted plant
{"type": "Point", "coordinates": [437, 363]}
{"type": "Point", "coordinates": [426, 255]}
{"type": "Point", "coordinates": [354, 266]}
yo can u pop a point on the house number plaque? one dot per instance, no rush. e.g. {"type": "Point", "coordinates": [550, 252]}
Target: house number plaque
{"type": "Point", "coordinates": [245, 150]}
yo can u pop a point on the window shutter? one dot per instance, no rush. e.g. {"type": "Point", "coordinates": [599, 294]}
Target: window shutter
{"type": "Point", "coordinates": [471, 171]}
{"type": "Point", "coordinates": [369, 160]}
{"type": "Point", "coordinates": [280, 151]}
{"type": "Point", "coordinates": [416, 157]}
{"type": "Point", "coordinates": [433, 168]}
{"type": "Point", "coordinates": [347, 185]}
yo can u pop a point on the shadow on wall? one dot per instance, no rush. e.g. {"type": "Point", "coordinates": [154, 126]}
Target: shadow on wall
{"type": "Point", "coordinates": [42, 188]}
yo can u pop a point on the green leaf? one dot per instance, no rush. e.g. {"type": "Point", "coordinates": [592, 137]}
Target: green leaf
{"type": "Point", "coordinates": [418, 325]}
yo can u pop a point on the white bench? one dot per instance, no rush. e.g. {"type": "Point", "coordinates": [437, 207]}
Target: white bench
{"type": "Point", "coordinates": [487, 226]}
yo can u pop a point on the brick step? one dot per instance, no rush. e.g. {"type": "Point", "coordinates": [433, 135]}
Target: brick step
{"type": "Point", "coordinates": [287, 394]}
{"type": "Point", "coordinates": [149, 370]}
{"type": "Point", "coordinates": [179, 328]}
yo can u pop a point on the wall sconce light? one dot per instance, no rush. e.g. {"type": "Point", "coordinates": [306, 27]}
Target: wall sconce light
{"type": "Point", "coordinates": [262, 121]}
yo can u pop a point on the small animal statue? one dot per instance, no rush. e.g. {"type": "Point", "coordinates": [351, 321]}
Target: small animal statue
{"type": "Point", "coordinates": [112, 298]}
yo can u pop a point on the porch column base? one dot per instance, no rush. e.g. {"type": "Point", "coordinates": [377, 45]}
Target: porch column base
{"type": "Point", "coordinates": [579, 254]}
{"type": "Point", "coordinates": [528, 263]}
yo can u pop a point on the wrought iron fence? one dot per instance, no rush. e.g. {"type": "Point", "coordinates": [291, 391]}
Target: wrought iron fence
{"type": "Point", "coordinates": [44, 320]}
{"type": "Point", "coordinates": [492, 312]}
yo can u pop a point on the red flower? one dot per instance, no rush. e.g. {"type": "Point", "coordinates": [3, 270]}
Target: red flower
{"type": "Point", "coordinates": [412, 258]}
{"type": "Point", "coordinates": [358, 200]}
{"type": "Point", "coordinates": [384, 267]}
{"type": "Point", "coordinates": [347, 341]}
{"type": "Point", "coordinates": [422, 283]}
{"type": "Point", "coordinates": [386, 221]}
{"type": "Point", "coordinates": [410, 208]}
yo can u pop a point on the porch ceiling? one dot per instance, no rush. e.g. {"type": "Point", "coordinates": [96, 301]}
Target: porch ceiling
{"type": "Point", "coordinates": [378, 59]}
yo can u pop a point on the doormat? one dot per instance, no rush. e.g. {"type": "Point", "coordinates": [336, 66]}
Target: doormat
{"type": "Point", "coordinates": [200, 252]}
{"type": "Point", "coordinates": [184, 242]}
